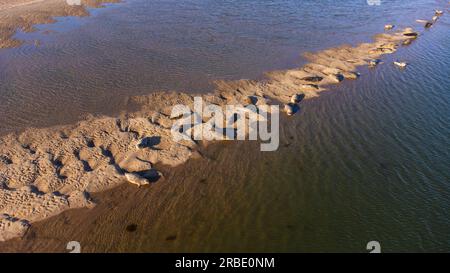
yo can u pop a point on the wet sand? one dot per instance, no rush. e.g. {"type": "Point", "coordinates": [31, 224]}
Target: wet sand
{"type": "Point", "coordinates": [48, 171]}
{"type": "Point", "coordinates": [156, 218]}
{"type": "Point", "coordinates": [158, 210]}
{"type": "Point", "coordinates": [7, 4]}
{"type": "Point", "coordinates": [24, 14]}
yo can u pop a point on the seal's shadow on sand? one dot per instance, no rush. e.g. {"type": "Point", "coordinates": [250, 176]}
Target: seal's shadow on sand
{"type": "Point", "coordinates": [150, 142]}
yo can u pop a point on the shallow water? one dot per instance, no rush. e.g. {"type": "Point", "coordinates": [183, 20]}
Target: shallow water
{"type": "Point", "coordinates": [88, 65]}
{"type": "Point", "coordinates": [368, 161]}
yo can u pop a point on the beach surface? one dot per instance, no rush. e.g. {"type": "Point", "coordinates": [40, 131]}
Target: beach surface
{"type": "Point", "coordinates": [24, 14]}
{"type": "Point", "coordinates": [17, 3]}
{"type": "Point", "coordinates": [47, 171]}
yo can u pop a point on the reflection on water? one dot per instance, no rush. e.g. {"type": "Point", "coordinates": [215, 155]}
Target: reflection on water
{"type": "Point", "coordinates": [368, 161]}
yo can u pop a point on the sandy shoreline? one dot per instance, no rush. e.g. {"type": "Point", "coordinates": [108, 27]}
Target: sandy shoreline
{"type": "Point", "coordinates": [24, 14]}
{"type": "Point", "coordinates": [44, 172]}
{"type": "Point", "coordinates": [182, 189]}
{"type": "Point", "coordinates": [17, 3]}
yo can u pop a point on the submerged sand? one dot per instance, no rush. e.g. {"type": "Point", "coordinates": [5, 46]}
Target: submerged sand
{"type": "Point", "coordinates": [46, 171]}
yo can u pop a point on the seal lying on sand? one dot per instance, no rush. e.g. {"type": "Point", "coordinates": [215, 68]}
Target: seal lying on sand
{"type": "Point", "coordinates": [374, 62]}
{"type": "Point", "coordinates": [400, 64]}
{"type": "Point", "coordinates": [291, 108]}
{"type": "Point", "coordinates": [296, 98]}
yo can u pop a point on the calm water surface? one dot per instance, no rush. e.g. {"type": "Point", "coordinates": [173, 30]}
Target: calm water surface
{"type": "Point", "coordinates": [368, 161]}
{"type": "Point", "coordinates": [88, 65]}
